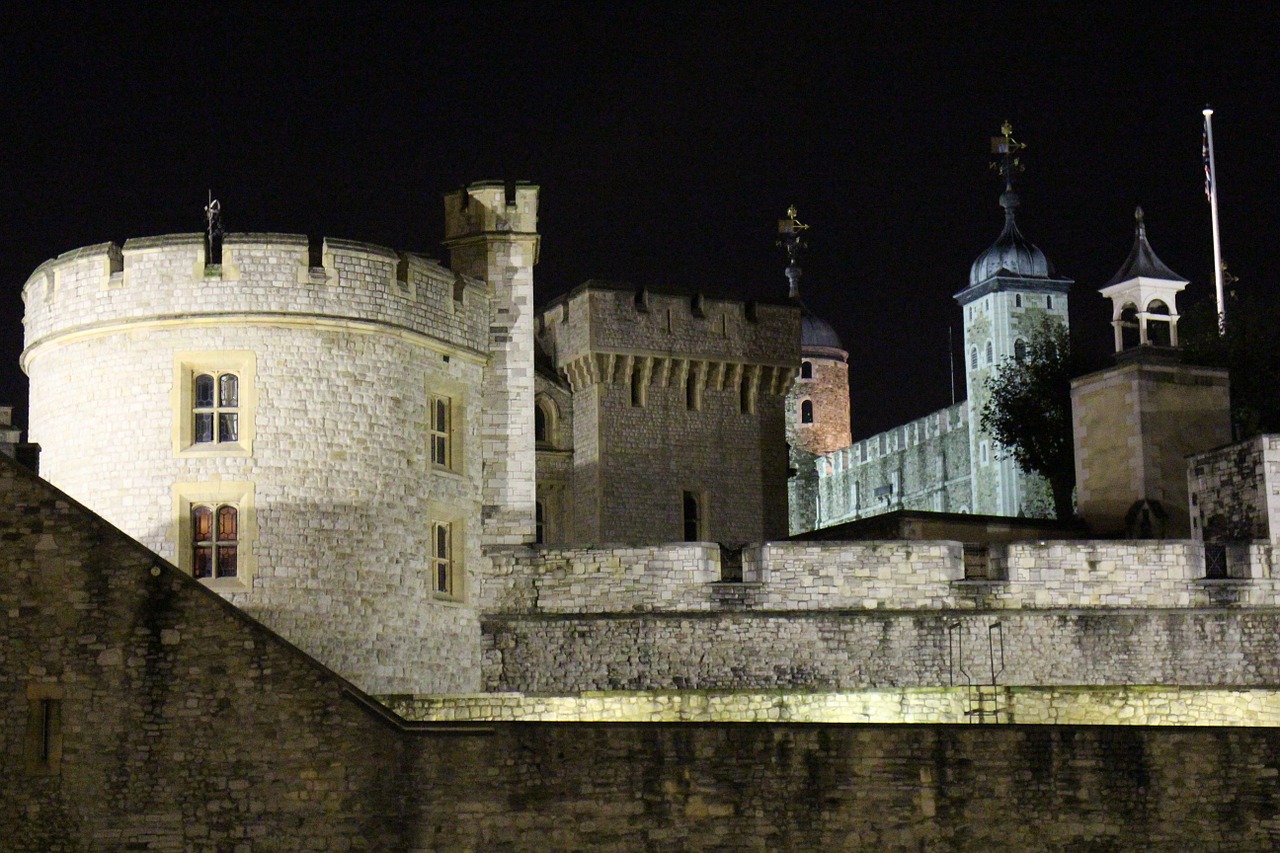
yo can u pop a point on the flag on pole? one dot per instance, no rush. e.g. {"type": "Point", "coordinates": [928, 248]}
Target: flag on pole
{"type": "Point", "coordinates": [1204, 153]}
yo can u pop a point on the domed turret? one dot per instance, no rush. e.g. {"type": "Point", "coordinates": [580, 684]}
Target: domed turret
{"type": "Point", "coordinates": [1011, 253]}
{"type": "Point", "coordinates": [816, 332]}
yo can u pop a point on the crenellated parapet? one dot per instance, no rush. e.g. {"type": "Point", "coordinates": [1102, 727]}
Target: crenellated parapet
{"type": "Point", "coordinates": [263, 278]}
{"type": "Point", "coordinates": [607, 333]}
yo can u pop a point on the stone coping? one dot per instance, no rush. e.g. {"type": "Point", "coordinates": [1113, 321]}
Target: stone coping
{"type": "Point", "coordinates": [1131, 705]}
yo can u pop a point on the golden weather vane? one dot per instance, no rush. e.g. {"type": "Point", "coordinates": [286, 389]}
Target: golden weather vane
{"type": "Point", "coordinates": [790, 236]}
{"type": "Point", "coordinates": [1007, 147]}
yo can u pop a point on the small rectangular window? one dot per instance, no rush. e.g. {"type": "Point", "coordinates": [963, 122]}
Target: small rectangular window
{"type": "Point", "coordinates": [214, 540]}
{"type": "Point", "coordinates": [693, 522]}
{"type": "Point", "coordinates": [442, 561]}
{"type": "Point", "coordinates": [44, 729]}
{"type": "Point", "coordinates": [440, 431]}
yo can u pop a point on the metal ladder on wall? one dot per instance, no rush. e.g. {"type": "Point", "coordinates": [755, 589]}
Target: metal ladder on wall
{"type": "Point", "coordinates": [983, 697]}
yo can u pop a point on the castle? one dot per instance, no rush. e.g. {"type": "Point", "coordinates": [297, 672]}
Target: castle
{"type": "Point", "coordinates": [411, 565]}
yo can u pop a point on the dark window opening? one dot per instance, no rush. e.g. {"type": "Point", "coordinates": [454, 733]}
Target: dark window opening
{"type": "Point", "coordinates": [806, 412]}
{"type": "Point", "coordinates": [692, 518]}
{"type": "Point", "coordinates": [806, 370]}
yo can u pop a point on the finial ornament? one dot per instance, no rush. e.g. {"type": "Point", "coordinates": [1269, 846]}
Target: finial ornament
{"type": "Point", "coordinates": [1007, 147]}
{"type": "Point", "coordinates": [1140, 225]}
{"type": "Point", "coordinates": [790, 237]}
{"type": "Point", "coordinates": [213, 217]}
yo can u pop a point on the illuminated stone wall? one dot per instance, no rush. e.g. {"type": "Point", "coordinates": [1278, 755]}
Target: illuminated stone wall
{"type": "Point", "coordinates": [1235, 491]}
{"type": "Point", "coordinates": [674, 394]}
{"type": "Point", "coordinates": [332, 472]}
{"type": "Point", "coordinates": [922, 465]}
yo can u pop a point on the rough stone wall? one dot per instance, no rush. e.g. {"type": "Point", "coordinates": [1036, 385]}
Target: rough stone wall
{"type": "Point", "coordinates": [817, 650]}
{"type": "Point", "coordinates": [1135, 424]}
{"type": "Point", "coordinates": [1235, 491]}
{"type": "Point", "coordinates": [338, 471]}
{"type": "Point", "coordinates": [610, 787]}
{"type": "Point", "coordinates": [180, 723]}
{"type": "Point", "coordinates": [633, 361]}
{"type": "Point", "coordinates": [921, 465]}
{"type": "Point", "coordinates": [555, 461]}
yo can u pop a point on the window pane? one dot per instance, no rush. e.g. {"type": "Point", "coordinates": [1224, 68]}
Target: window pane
{"type": "Point", "coordinates": [201, 524]}
{"type": "Point", "coordinates": [439, 454]}
{"type": "Point", "coordinates": [442, 577]}
{"type": "Point", "coordinates": [204, 391]}
{"type": "Point", "coordinates": [228, 390]}
{"type": "Point", "coordinates": [226, 561]}
{"type": "Point", "coordinates": [204, 427]}
{"type": "Point", "coordinates": [226, 524]}
{"type": "Point", "coordinates": [442, 541]}
{"type": "Point", "coordinates": [228, 426]}
{"type": "Point", "coordinates": [442, 415]}
{"type": "Point", "coordinates": [202, 561]}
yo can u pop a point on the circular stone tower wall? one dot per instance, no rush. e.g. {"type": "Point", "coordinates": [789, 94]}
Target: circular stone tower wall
{"type": "Point", "coordinates": [341, 434]}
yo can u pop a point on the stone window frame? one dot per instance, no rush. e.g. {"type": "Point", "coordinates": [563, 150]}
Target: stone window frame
{"type": "Point", "coordinates": [187, 496]}
{"type": "Point", "coordinates": [452, 523]}
{"type": "Point", "coordinates": [219, 544]}
{"type": "Point", "coordinates": [187, 366]}
{"type": "Point", "coordinates": [452, 394]}
{"type": "Point", "coordinates": [806, 369]}
{"type": "Point", "coordinates": [990, 353]}
{"type": "Point", "coordinates": [544, 406]}
{"type": "Point", "coordinates": [806, 411]}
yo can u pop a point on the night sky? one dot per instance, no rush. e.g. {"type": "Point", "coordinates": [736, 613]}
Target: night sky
{"type": "Point", "coordinates": [667, 144]}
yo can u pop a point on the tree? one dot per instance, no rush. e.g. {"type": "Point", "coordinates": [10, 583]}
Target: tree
{"type": "Point", "coordinates": [1249, 350]}
{"type": "Point", "coordinates": [1029, 411]}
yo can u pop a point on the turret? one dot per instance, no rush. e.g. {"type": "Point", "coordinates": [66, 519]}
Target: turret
{"type": "Point", "coordinates": [492, 234]}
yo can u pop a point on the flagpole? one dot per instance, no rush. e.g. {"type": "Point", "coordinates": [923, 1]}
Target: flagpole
{"type": "Point", "coordinates": [1212, 188]}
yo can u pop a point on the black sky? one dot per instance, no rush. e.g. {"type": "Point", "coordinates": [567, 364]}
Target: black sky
{"type": "Point", "coordinates": [667, 143]}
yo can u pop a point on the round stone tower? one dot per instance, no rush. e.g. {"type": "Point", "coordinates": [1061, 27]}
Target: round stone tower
{"type": "Point", "coordinates": [297, 426]}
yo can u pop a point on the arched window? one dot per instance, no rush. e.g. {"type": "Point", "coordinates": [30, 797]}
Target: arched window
{"type": "Point", "coordinates": [990, 353]}
{"type": "Point", "coordinates": [806, 412]}
{"type": "Point", "coordinates": [692, 518]}
{"type": "Point", "coordinates": [973, 358]}
{"type": "Point", "coordinates": [214, 536]}
{"type": "Point", "coordinates": [1130, 334]}
{"type": "Point", "coordinates": [216, 413]}
{"type": "Point", "coordinates": [806, 370]}
{"type": "Point", "coordinates": [545, 418]}
{"type": "Point", "coordinates": [1019, 349]}
{"type": "Point", "coordinates": [1158, 329]}
{"type": "Point", "coordinates": [1017, 300]}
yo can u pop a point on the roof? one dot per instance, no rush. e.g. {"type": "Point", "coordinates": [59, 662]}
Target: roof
{"type": "Point", "coordinates": [1142, 261]}
{"type": "Point", "coordinates": [1011, 253]}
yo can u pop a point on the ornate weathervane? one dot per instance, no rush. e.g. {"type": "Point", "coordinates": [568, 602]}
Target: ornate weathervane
{"type": "Point", "coordinates": [791, 237]}
{"type": "Point", "coordinates": [1007, 147]}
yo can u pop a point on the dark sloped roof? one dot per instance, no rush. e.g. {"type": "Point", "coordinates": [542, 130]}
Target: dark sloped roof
{"type": "Point", "coordinates": [1142, 260]}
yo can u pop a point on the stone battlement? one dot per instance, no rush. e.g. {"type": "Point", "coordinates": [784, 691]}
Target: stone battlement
{"type": "Point", "coordinates": [269, 277]}
{"type": "Point", "coordinates": [597, 330]}
{"type": "Point", "coordinates": [884, 576]}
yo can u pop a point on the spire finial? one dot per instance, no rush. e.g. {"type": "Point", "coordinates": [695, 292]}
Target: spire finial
{"type": "Point", "coordinates": [1141, 226]}
{"type": "Point", "coordinates": [1007, 147]}
{"type": "Point", "coordinates": [790, 236]}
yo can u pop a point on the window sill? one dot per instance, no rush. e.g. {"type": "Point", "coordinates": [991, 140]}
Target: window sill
{"type": "Point", "coordinates": [447, 600]}
{"type": "Point", "coordinates": [226, 584]}
{"type": "Point", "coordinates": [227, 449]}
{"type": "Point", "coordinates": [445, 472]}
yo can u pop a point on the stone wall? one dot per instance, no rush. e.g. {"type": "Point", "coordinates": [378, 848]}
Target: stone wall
{"type": "Point", "coordinates": [1235, 491]}
{"type": "Point", "coordinates": [922, 465]}
{"type": "Point", "coordinates": [850, 650]}
{"type": "Point", "coordinates": [332, 472]}
{"type": "Point", "coordinates": [175, 723]}
{"type": "Point", "coordinates": [674, 395]}
{"type": "Point", "coordinates": [613, 787]}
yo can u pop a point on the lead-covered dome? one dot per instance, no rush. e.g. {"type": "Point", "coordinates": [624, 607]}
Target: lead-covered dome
{"type": "Point", "coordinates": [816, 332]}
{"type": "Point", "coordinates": [1011, 253]}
